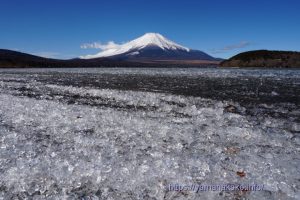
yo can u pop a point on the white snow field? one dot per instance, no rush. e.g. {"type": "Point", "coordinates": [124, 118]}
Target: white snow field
{"type": "Point", "coordinates": [113, 144]}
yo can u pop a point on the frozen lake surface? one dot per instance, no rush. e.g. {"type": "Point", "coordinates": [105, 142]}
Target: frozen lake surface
{"type": "Point", "coordinates": [129, 133]}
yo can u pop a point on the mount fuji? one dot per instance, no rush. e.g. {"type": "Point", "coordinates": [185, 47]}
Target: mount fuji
{"type": "Point", "coordinates": [151, 47]}
{"type": "Point", "coordinates": [149, 50]}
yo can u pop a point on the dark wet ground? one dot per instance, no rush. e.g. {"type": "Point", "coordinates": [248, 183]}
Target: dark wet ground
{"type": "Point", "coordinates": [246, 89]}
{"type": "Point", "coordinates": [253, 92]}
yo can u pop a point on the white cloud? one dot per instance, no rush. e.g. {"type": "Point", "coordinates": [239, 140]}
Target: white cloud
{"type": "Point", "coordinates": [97, 45]}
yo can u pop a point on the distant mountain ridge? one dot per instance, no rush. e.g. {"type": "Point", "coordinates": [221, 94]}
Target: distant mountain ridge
{"type": "Point", "coordinates": [13, 59]}
{"type": "Point", "coordinates": [264, 58]}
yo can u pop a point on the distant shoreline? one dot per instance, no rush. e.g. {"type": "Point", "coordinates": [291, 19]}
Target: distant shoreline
{"type": "Point", "coordinates": [260, 59]}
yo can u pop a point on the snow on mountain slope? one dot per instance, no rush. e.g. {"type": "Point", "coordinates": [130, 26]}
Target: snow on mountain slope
{"type": "Point", "coordinates": [149, 39]}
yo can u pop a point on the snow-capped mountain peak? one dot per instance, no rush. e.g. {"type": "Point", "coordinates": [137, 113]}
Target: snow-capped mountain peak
{"type": "Point", "coordinates": [148, 39]}
{"type": "Point", "coordinates": [156, 39]}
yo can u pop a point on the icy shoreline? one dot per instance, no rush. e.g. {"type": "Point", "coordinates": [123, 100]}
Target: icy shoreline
{"type": "Point", "coordinates": [131, 145]}
{"type": "Point", "coordinates": [129, 134]}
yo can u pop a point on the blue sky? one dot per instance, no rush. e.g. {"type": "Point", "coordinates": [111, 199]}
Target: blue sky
{"type": "Point", "coordinates": [222, 28]}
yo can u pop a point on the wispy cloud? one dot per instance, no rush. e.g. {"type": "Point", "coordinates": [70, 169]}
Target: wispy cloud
{"type": "Point", "coordinates": [242, 44]}
{"type": "Point", "coordinates": [231, 47]}
{"type": "Point", "coordinates": [98, 45]}
{"type": "Point", "coordinates": [47, 54]}
{"type": "Point", "coordinates": [54, 55]}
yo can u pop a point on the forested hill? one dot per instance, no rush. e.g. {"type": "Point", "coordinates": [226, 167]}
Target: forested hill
{"type": "Point", "coordinates": [264, 58]}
